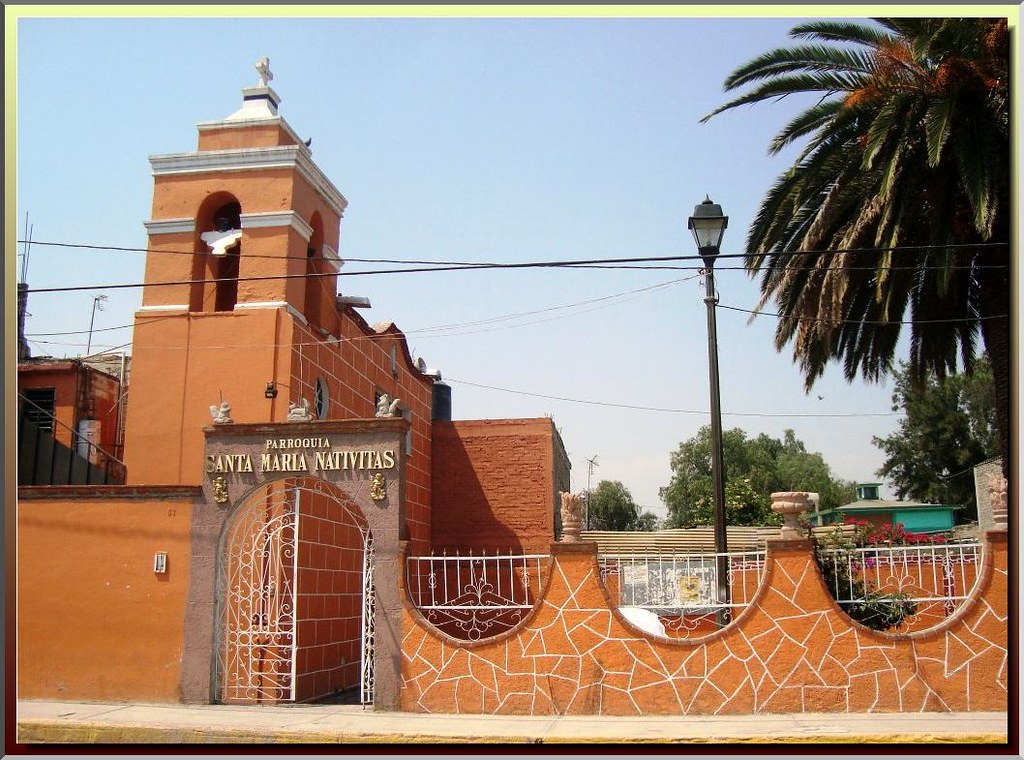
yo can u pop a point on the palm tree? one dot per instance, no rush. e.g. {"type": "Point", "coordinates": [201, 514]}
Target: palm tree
{"type": "Point", "coordinates": [897, 210]}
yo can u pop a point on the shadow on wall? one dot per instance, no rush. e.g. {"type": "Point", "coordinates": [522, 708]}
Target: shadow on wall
{"type": "Point", "coordinates": [464, 484]}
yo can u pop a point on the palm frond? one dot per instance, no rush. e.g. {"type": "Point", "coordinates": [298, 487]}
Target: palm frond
{"type": "Point", "coordinates": [937, 123]}
{"type": "Point", "coordinates": [841, 31]}
{"type": "Point", "coordinates": [807, 58]}
{"type": "Point", "coordinates": [782, 86]}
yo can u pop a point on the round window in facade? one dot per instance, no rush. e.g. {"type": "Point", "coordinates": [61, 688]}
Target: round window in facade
{"type": "Point", "coordinates": [321, 400]}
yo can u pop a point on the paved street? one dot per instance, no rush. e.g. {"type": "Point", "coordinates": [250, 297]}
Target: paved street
{"type": "Point", "coordinates": [83, 722]}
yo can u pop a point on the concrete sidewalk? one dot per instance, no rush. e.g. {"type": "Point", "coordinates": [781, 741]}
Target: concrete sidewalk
{"type": "Point", "coordinates": [87, 722]}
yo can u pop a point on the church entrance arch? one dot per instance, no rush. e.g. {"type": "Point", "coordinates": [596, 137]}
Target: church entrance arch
{"type": "Point", "coordinates": [294, 588]}
{"type": "Point", "coordinates": [295, 597]}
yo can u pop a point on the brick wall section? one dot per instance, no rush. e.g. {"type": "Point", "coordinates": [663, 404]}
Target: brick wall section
{"type": "Point", "coordinates": [495, 484]}
{"type": "Point", "coordinates": [791, 651]}
{"type": "Point", "coordinates": [330, 599]}
{"type": "Point", "coordinates": [355, 367]}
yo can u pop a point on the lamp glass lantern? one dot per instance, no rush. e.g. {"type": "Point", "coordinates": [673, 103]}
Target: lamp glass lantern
{"type": "Point", "coordinates": [708, 225]}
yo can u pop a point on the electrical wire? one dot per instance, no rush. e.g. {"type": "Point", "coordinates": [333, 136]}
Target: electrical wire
{"type": "Point", "coordinates": [885, 249]}
{"type": "Point", "coordinates": [623, 296]}
{"type": "Point", "coordinates": [424, 266]}
{"type": "Point", "coordinates": [863, 321]}
{"type": "Point", "coordinates": [670, 410]}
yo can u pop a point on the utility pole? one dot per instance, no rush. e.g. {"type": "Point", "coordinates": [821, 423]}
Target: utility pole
{"type": "Point", "coordinates": [591, 464]}
{"type": "Point", "coordinates": [97, 303]}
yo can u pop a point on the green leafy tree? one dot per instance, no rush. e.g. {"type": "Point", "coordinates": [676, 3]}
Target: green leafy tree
{"type": "Point", "coordinates": [948, 427]}
{"type": "Point", "coordinates": [754, 468]}
{"type": "Point", "coordinates": [612, 508]}
{"type": "Point", "coordinates": [899, 202]}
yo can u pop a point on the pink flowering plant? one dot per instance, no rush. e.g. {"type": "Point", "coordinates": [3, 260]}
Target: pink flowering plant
{"type": "Point", "coordinates": [841, 564]}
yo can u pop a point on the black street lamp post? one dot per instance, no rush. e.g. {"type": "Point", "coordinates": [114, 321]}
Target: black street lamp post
{"type": "Point", "coordinates": [708, 225]}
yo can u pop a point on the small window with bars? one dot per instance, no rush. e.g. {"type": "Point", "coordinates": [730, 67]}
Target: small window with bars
{"type": "Point", "coordinates": [38, 406]}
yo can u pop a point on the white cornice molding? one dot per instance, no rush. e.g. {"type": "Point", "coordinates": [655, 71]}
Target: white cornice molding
{"type": "Point", "coordinates": [273, 305]}
{"type": "Point", "coordinates": [331, 256]}
{"type": "Point", "coordinates": [291, 219]}
{"type": "Point", "coordinates": [252, 159]}
{"type": "Point", "coordinates": [169, 226]}
{"type": "Point", "coordinates": [163, 307]}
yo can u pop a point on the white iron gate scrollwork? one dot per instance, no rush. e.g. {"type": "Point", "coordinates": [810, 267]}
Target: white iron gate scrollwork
{"type": "Point", "coordinates": [475, 596]}
{"type": "Point", "coordinates": [256, 656]}
{"type": "Point", "coordinates": [285, 602]}
{"type": "Point", "coordinates": [369, 605]}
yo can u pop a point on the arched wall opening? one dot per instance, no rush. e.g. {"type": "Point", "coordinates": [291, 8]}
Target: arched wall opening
{"type": "Point", "coordinates": [215, 276]}
{"type": "Point", "coordinates": [316, 283]}
{"type": "Point", "coordinates": [351, 476]}
{"type": "Point", "coordinates": [295, 611]}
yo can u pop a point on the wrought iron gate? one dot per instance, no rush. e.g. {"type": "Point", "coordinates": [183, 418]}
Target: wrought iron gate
{"type": "Point", "coordinates": [369, 605]}
{"type": "Point", "coordinates": [256, 657]}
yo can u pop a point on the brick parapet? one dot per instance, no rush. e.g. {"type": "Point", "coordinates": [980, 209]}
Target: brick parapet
{"type": "Point", "coordinates": [493, 484]}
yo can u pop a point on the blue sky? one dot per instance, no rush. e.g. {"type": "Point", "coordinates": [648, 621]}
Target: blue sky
{"type": "Point", "coordinates": [461, 139]}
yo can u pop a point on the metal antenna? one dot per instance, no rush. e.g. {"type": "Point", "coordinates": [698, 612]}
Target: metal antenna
{"type": "Point", "coordinates": [97, 303]}
{"type": "Point", "coordinates": [26, 249]}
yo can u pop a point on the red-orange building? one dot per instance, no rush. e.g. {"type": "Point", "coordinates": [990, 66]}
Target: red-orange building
{"type": "Point", "coordinates": [70, 422]}
{"type": "Point", "coordinates": [246, 361]}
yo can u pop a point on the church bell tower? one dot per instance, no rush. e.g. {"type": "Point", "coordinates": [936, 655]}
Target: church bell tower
{"type": "Point", "coordinates": [243, 246]}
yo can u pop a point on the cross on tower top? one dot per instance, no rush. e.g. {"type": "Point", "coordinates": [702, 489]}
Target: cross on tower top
{"type": "Point", "coordinates": [263, 69]}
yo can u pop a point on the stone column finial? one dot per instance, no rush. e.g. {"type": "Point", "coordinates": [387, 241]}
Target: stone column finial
{"type": "Point", "coordinates": [997, 500]}
{"type": "Point", "coordinates": [572, 512]}
{"type": "Point", "coordinates": [790, 504]}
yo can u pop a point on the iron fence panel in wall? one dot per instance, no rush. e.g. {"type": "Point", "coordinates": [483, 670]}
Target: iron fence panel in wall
{"type": "Point", "coordinates": [475, 596]}
{"type": "Point", "coordinates": [675, 595]}
{"type": "Point", "coordinates": [936, 578]}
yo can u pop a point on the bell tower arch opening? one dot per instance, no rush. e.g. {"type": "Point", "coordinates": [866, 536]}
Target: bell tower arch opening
{"type": "Point", "coordinates": [317, 283]}
{"type": "Point", "coordinates": [218, 252]}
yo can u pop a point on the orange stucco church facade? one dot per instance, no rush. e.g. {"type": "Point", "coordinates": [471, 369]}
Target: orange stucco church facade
{"type": "Point", "coordinates": [282, 457]}
{"type": "Point", "coordinates": [263, 311]}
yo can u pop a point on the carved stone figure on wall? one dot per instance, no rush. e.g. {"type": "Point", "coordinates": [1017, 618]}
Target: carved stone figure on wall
{"type": "Point", "coordinates": [572, 515]}
{"type": "Point", "coordinates": [220, 490]}
{"type": "Point", "coordinates": [378, 487]}
{"type": "Point", "coordinates": [997, 499]}
{"type": "Point", "coordinates": [221, 414]}
{"type": "Point", "coordinates": [386, 407]}
{"type": "Point", "coordinates": [300, 412]}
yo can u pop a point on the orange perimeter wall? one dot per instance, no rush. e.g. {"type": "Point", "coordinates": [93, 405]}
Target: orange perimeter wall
{"type": "Point", "coordinates": [94, 621]}
{"type": "Point", "coordinates": [791, 651]}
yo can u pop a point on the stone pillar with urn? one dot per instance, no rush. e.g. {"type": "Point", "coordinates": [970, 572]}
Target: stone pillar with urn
{"type": "Point", "coordinates": [790, 504]}
{"type": "Point", "coordinates": [572, 514]}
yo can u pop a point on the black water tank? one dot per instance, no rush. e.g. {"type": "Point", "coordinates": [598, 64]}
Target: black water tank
{"type": "Point", "coordinates": [442, 402]}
